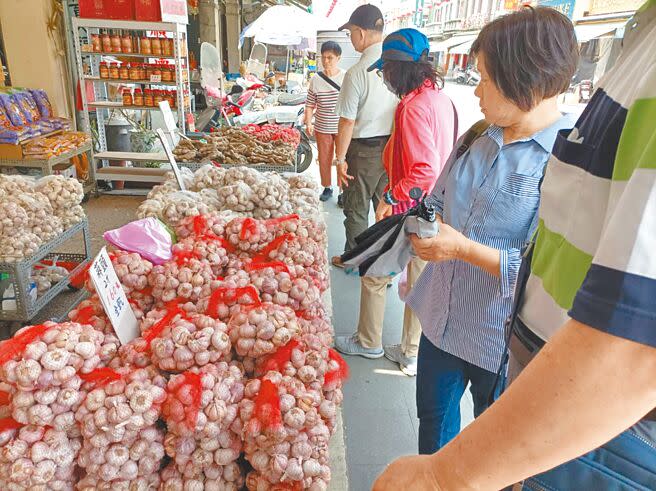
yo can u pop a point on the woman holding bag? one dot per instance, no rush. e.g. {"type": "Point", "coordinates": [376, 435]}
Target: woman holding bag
{"type": "Point", "coordinates": [321, 101]}
{"type": "Point", "coordinates": [422, 137]}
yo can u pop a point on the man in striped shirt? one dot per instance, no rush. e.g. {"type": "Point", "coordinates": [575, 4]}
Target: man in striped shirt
{"type": "Point", "coordinates": [592, 296]}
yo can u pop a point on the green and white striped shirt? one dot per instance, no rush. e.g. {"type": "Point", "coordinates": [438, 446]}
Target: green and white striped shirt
{"type": "Point", "coordinates": [595, 255]}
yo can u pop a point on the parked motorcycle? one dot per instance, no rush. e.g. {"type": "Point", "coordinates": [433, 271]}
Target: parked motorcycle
{"type": "Point", "coordinates": [585, 90]}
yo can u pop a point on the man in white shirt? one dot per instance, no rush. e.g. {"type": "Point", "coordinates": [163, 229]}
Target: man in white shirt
{"type": "Point", "coordinates": [366, 112]}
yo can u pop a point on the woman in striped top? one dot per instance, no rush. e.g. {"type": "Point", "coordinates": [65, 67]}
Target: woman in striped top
{"type": "Point", "coordinates": [321, 102]}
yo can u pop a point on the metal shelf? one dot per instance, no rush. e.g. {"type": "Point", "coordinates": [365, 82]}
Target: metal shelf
{"type": "Point", "coordinates": [133, 55]}
{"type": "Point", "coordinates": [134, 25]}
{"type": "Point", "coordinates": [132, 156]}
{"type": "Point", "coordinates": [127, 81]}
{"type": "Point", "coordinates": [119, 105]}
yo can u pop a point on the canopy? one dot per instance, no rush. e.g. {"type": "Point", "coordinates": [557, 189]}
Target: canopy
{"type": "Point", "coordinates": [449, 43]}
{"type": "Point", "coordinates": [586, 32]}
{"type": "Point", "coordinates": [462, 49]}
{"type": "Point", "coordinates": [286, 25]}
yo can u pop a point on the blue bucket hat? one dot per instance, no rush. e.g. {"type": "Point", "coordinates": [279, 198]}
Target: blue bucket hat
{"type": "Point", "coordinates": [403, 45]}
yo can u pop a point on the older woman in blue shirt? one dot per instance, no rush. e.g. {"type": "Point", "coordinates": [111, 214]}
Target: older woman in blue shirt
{"type": "Point", "coordinates": [487, 199]}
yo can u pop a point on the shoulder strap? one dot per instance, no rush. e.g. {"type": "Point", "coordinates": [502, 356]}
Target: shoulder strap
{"type": "Point", "coordinates": [455, 124]}
{"type": "Point", "coordinates": [472, 134]}
{"type": "Point", "coordinates": [329, 81]}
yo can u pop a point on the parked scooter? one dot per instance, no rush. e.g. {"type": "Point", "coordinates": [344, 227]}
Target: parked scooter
{"type": "Point", "coordinates": [585, 90]}
{"type": "Point", "coordinates": [470, 76]}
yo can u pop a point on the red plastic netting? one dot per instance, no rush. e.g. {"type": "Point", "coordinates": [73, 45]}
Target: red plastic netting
{"type": "Point", "coordinates": [85, 314]}
{"type": "Point", "coordinates": [279, 220]}
{"type": "Point", "coordinates": [339, 375]}
{"type": "Point", "coordinates": [9, 424]}
{"type": "Point", "coordinates": [248, 226]}
{"type": "Point", "coordinates": [5, 398]}
{"type": "Point", "coordinates": [172, 309]}
{"type": "Point", "coordinates": [224, 295]}
{"type": "Point", "coordinates": [267, 405]}
{"type": "Point", "coordinates": [263, 254]}
{"type": "Point", "coordinates": [182, 257]}
{"type": "Point", "coordinates": [277, 360]}
{"type": "Point", "coordinates": [14, 346]}
{"type": "Point", "coordinates": [187, 394]}
{"type": "Point", "coordinates": [100, 376]}
{"type": "Point", "coordinates": [276, 265]}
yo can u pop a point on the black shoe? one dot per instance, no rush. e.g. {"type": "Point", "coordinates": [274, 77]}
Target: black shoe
{"type": "Point", "coordinates": [340, 200]}
{"type": "Point", "coordinates": [327, 194]}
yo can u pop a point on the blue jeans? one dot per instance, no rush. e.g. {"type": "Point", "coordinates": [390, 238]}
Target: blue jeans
{"type": "Point", "coordinates": [626, 463]}
{"type": "Point", "coordinates": [441, 382]}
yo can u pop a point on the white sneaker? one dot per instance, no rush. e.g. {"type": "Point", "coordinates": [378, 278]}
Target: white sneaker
{"type": "Point", "coordinates": [407, 364]}
{"type": "Point", "coordinates": [350, 345]}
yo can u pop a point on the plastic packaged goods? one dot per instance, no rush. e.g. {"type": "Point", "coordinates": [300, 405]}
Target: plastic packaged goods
{"type": "Point", "coordinates": [116, 42]}
{"type": "Point", "coordinates": [96, 43]}
{"type": "Point", "coordinates": [145, 46]}
{"type": "Point", "coordinates": [106, 40]}
{"type": "Point", "coordinates": [156, 46]}
{"type": "Point", "coordinates": [126, 43]}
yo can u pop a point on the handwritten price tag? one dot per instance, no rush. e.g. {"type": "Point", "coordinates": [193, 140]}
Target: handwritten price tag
{"type": "Point", "coordinates": [113, 298]}
{"type": "Point", "coordinates": [155, 79]}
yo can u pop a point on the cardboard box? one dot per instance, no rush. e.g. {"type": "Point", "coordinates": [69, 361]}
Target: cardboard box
{"type": "Point", "coordinates": [119, 9]}
{"type": "Point", "coordinates": [94, 9]}
{"type": "Point", "coordinates": [11, 152]}
{"type": "Point", "coordinates": [147, 10]}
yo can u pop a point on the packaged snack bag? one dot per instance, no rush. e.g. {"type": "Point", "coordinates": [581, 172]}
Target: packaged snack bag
{"type": "Point", "coordinates": [13, 110]}
{"type": "Point", "coordinates": [42, 102]}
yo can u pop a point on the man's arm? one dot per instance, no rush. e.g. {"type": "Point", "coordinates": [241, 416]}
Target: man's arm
{"type": "Point", "coordinates": [342, 142]}
{"type": "Point", "coordinates": [582, 389]}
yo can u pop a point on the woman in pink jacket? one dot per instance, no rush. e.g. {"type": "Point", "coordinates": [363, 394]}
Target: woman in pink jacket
{"type": "Point", "coordinates": [422, 138]}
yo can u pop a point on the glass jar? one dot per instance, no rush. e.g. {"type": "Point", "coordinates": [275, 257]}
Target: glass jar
{"type": "Point", "coordinates": [124, 71]}
{"type": "Point", "coordinates": [157, 71]}
{"type": "Point", "coordinates": [167, 47]}
{"type": "Point", "coordinates": [142, 72]}
{"type": "Point", "coordinates": [156, 46]}
{"type": "Point", "coordinates": [127, 97]}
{"type": "Point", "coordinates": [174, 96]}
{"type": "Point", "coordinates": [170, 98]}
{"type": "Point", "coordinates": [134, 71]}
{"type": "Point", "coordinates": [103, 69]}
{"type": "Point", "coordinates": [167, 74]}
{"type": "Point", "coordinates": [106, 42]}
{"type": "Point", "coordinates": [96, 43]}
{"type": "Point", "coordinates": [148, 98]}
{"type": "Point", "coordinates": [145, 46]}
{"type": "Point", "coordinates": [113, 70]}
{"type": "Point", "coordinates": [116, 43]}
{"type": "Point", "coordinates": [149, 71]}
{"type": "Point", "coordinates": [138, 98]}
{"type": "Point", "coordinates": [126, 43]}
{"type": "Point", "coordinates": [157, 97]}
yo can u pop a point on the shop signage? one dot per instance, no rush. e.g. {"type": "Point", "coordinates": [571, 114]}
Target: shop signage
{"type": "Point", "coordinates": [112, 297]}
{"type": "Point", "coordinates": [565, 7]}
{"type": "Point", "coordinates": [598, 7]}
{"type": "Point", "coordinates": [174, 11]}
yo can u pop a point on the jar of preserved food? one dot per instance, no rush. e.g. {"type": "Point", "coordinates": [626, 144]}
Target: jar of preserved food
{"type": "Point", "coordinates": [145, 46]}
{"type": "Point", "coordinates": [148, 98]}
{"type": "Point", "coordinates": [157, 72]}
{"type": "Point", "coordinates": [174, 95]}
{"type": "Point", "coordinates": [113, 70]}
{"type": "Point", "coordinates": [167, 47]}
{"type": "Point", "coordinates": [138, 98]}
{"type": "Point", "coordinates": [103, 69]}
{"type": "Point", "coordinates": [124, 71]}
{"type": "Point", "coordinates": [106, 42]}
{"type": "Point", "coordinates": [116, 43]}
{"type": "Point", "coordinates": [96, 44]}
{"type": "Point", "coordinates": [126, 43]}
{"type": "Point", "coordinates": [170, 98]}
{"type": "Point", "coordinates": [134, 71]}
{"type": "Point", "coordinates": [127, 97]}
{"type": "Point", "coordinates": [167, 74]}
{"type": "Point", "coordinates": [142, 72]}
{"type": "Point", "coordinates": [149, 71]}
{"type": "Point", "coordinates": [157, 97]}
{"type": "Point", "coordinates": [156, 46]}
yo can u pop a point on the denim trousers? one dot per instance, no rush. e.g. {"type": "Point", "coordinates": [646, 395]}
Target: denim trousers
{"type": "Point", "coordinates": [442, 379]}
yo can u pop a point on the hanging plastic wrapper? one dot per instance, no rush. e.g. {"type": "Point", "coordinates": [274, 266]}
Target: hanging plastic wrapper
{"type": "Point", "coordinates": [148, 237]}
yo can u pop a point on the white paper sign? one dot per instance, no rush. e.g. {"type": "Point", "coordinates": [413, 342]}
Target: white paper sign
{"type": "Point", "coordinates": [169, 155]}
{"type": "Point", "coordinates": [155, 79]}
{"type": "Point", "coordinates": [169, 119]}
{"type": "Point", "coordinates": [113, 298]}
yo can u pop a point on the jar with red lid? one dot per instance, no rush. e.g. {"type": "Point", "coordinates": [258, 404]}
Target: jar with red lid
{"type": "Point", "coordinates": [156, 46]}
{"type": "Point", "coordinates": [113, 70]}
{"type": "Point", "coordinates": [157, 97]}
{"type": "Point", "coordinates": [124, 71]}
{"type": "Point", "coordinates": [157, 72]}
{"type": "Point", "coordinates": [126, 43]}
{"type": "Point", "coordinates": [174, 96]}
{"type": "Point", "coordinates": [96, 43]}
{"type": "Point", "coordinates": [116, 43]}
{"type": "Point", "coordinates": [103, 69]}
{"type": "Point", "coordinates": [170, 98]}
{"type": "Point", "coordinates": [138, 98]}
{"type": "Point", "coordinates": [149, 71]}
{"type": "Point", "coordinates": [145, 46]}
{"type": "Point", "coordinates": [127, 97]}
{"type": "Point", "coordinates": [148, 98]}
{"type": "Point", "coordinates": [167, 74]}
{"type": "Point", "coordinates": [167, 47]}
{"type": "Point", "coordinates": [134, 71]}
{"type": "Point", "coordinates": [142, 72]}
{"type": "Point", "coordinates": [106, 42]}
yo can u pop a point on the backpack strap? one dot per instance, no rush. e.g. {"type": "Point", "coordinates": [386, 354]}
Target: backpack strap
{"type": "Point", "coordinates": [329, 81]}
{"type": "Point", "coordinates": [471, 136]}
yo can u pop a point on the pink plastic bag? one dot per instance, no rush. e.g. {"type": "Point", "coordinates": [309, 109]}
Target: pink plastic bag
{"type": "Point", "coordinates": [148, 237]}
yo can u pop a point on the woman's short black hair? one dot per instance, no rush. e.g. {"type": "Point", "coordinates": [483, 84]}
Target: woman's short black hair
{"type": "Point", "coordinates": [331, 46]}
{"type": "Point", "coordinates": [406, 76]}
{"type": "Point", "coordinates": [530, 55]}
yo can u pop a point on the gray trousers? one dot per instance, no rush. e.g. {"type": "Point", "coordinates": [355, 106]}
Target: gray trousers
{"type": "Point", "coordinates": [365, 164]}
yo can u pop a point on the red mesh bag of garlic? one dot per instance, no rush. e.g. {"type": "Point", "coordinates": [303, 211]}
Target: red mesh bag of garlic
{"type": "Point", "coordinates": [208, 248]}
{"type": "Point", "coordinates": [179, 341]}
{"type": "Point", "coordinates": [248, 235]}
{"type": "Point", "coordinates": [302, 228]}
{"type": "Point", "coordinates": [214, 478]}
{"type": "Point", "coordinates": [210, 223]}
{"type": "Point", "coordinates": [229, 297]}
{"type": "Point", "coordinates": [285, 437]}
{"type": "Point", "coordinates": [121, 442]}
{"type": "Point", "coordinates": [36, 457]}
{"type": "Point", "coordinates": [260, 330]}
{"type": "Point", "coordinates": [45, 363]}
{"type": "Point", "coordinates": [201, 412]}
{"type": "Point", "coordinates": [90, 312]}
{"type": "Point", "coordinates": [184, 277]}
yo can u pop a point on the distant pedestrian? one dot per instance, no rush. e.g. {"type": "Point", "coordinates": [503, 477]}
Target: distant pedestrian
{"type": "Point", "coordinates": [366, 110]}
{"type": "Point", "coordinates": [321, 101]}
{"type": "Point", "coordinates": [487, 199]}
{"type": "Point", "coordinates": [421, 142]}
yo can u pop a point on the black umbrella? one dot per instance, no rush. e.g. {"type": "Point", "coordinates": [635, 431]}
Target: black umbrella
{"type": "Point", "coordinates": [384, 249]}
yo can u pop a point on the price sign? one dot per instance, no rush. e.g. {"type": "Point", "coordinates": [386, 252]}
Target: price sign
{"type": "Point", "coordinates": [155, 79]}
{"type": "Point", "coordinates": [172, 161]}
{"type": "Point", "coordinates": [113, 298]}
{"type": "Point", "coordinates": [174, 11]}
